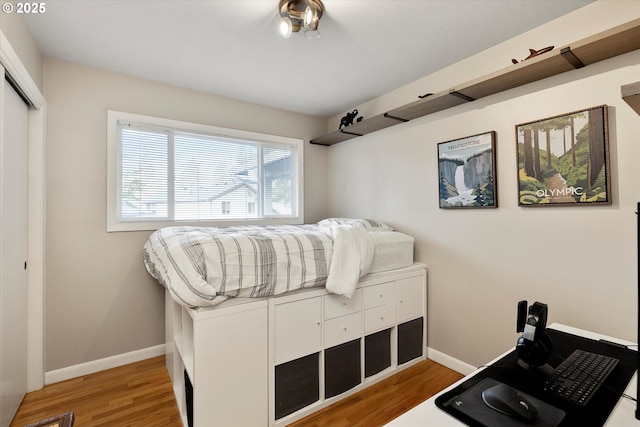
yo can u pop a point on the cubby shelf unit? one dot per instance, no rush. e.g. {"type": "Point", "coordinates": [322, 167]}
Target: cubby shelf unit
{"type": "Point", "coordinates": [270, 362]}
{"type": "Point", "coordinates": [616, 41]}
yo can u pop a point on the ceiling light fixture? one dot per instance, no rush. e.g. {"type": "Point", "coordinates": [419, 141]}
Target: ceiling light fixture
{"type": "Point", "coordinates": [296, 14]}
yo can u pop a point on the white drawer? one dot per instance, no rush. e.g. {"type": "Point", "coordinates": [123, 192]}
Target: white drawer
{"type": "Point", "coordinates": [384, 293]}
{"type": "Point", "coordinates": [336, 305]}
{"type": "Point", "coordinates": [380, 317]}
{"type": "Point", "coordinates": [342, 329]}
{"type": "Point", "coordinates": [298, 328]}
{"type": "Point", "coordinates": [411, 298]}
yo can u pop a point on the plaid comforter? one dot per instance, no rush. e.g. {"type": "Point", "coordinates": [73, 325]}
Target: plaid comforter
{"type": "Point", "coordinates": [203, 266]}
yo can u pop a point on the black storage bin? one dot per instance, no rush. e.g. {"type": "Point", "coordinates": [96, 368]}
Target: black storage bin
{"type": "Point", "coordinates": [297, 384]}
{"type": "Point", "coordinates": [342, 368]}
{"type": "Point", "coordinates": [188, 394]}
{"type": "Point", "coordinates": [377, 352]}
{"type": "Point", "coordinates": [410, 340]}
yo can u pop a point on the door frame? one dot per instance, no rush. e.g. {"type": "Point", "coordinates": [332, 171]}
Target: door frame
{"type": "Point", "coordinates": [10, 60]}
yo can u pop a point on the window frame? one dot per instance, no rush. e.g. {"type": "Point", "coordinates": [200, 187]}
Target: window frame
{"type": "Point", "coordinates": [114, 170]}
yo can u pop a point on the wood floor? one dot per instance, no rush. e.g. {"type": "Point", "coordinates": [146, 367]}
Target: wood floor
{"type": "Point", "coordinates": [382, 402]}
{"type": "Point", "coordinates": [140, 395]}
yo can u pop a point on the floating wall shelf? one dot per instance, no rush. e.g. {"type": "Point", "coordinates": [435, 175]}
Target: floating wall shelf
{"type": "Point", "coordinates": [607, 44]}
{"type": "Point", "coordinates": [631, 95]}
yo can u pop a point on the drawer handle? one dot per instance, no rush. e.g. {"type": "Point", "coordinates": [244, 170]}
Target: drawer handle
{"type": "Point", "coordinates": [344, 328]}
{"type": "Point", "coordinates": [318, 323]}
{"type": "Point", "coordinates": [381, 295]}
{"type": "Point", "coordinates": [344, 303]}
{"type": "Point", "coordinates": [381, 317]}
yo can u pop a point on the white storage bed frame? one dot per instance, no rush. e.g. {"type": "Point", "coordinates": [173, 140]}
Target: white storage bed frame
{"type": "Point", "coordinates": [314, 330]}
{"type": "Point", "coordinates": [244, 356]}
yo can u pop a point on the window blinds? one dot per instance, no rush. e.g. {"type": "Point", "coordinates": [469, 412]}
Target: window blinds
{"type": "Point", "coordinates": [173, 175]}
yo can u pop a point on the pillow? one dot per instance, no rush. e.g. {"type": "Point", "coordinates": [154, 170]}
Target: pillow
{"type": "Point", "coordinates": [364, 223]}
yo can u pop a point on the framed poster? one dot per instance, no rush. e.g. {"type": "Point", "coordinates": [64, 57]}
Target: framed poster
{"type": "Point", "coordinates": [564, 160]}
{"type": "Point", "coordinates": [467, 172]}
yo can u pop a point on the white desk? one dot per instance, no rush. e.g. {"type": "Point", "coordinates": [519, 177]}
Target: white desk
{"type": "Point", "coordinates": [427, 413]}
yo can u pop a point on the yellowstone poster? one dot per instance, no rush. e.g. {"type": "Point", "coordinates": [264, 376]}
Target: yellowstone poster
{"type": "Point", "coordinates": [564, 160]}
{"type": "Point", "coordinates": [467, 174]}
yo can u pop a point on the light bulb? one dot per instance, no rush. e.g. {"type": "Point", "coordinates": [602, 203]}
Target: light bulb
{"type": "Point", "coordinates": [286, 27]}
{"type": "Point", "coordinates": [308, 15]}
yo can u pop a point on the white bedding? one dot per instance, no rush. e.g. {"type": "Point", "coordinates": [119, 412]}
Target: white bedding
{"type": "Point", "coordinates": [353, 249]}
{"type": "Point", "coordinates": [205, 266]}
{"type": "Point", "coordinates": [392, 250]}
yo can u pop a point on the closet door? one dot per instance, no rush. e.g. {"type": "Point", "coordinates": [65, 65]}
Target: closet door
{"type": "Point", "coordinates": [13, 250]}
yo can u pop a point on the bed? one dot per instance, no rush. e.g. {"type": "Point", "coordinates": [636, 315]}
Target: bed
{"type": "Point", "coordinates": [292, 318]}
{"type": "Point", "coordinates": [204, 266]}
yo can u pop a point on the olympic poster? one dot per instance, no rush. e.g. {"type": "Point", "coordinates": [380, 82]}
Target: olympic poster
{"type": "Point", "coordinates": [564, 160]}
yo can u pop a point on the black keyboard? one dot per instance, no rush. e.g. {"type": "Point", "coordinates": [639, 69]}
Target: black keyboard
{"type": "Point", "coordinates": [580, 376]}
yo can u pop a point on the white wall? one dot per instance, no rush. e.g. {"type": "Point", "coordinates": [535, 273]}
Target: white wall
{"type": "Point", "coordinates": [580, 260]}
{"type": "Point", "coordinates": [21, 40]}
{"type": "Point", "coordinates": [100, 301]}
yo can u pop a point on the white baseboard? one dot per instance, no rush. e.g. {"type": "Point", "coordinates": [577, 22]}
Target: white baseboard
{"type": "Point", "coordinates": [450, 362]}
{"type": "Point", "coordinates": [94, 366]}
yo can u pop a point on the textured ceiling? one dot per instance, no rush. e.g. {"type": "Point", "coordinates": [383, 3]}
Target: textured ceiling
{"type": "Point", "coordinates": [232, 47]}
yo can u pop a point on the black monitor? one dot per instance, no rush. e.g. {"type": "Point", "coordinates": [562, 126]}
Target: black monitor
{"type": "Point", "coordinates": [638, 313]}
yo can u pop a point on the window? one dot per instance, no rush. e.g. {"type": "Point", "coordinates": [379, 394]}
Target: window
{"type": "Point", "coordinates": [164, 172]}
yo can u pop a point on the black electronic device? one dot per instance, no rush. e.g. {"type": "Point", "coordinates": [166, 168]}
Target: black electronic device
{"type": "Point", "coordinates": [479, 404]}
{"type": "Point", "coordinates": [579, 376]}
{"type": "Point", "coordinates": [534, 346]}
{"type": "Point", "coordinates": [509, 401]}
{"type": "Point", "coordinates": [638, 306]}
{"type": "Point", "coordinates": [522, 316]}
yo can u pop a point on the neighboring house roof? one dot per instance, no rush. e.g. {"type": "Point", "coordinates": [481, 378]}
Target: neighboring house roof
{"type": "Point", "coordinates": [240, 180]}
{"type": "Point", "coordinates": [205, 194]}
{"type": "Point", "coordinates": [233, 188]}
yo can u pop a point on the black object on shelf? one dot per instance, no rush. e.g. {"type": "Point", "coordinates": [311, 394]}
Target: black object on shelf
{"type": "Point", "coordinates": [342, 368]}
{"type": "Point", "coordinates": [188, 394]}
{"type": "Point", "coordinates": [297, 384]}
{"type": "Point", "coordinates": [410, 340]}
{"type": "Point", "coordinates": [377, 352]}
